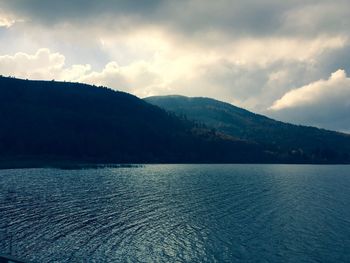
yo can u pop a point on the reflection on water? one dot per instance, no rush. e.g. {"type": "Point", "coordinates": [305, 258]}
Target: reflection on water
{"type": "Point", "coordinates": [184, 213]}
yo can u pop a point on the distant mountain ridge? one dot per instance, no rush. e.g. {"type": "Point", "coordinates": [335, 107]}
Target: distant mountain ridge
{"type": "Point", "coordinates": [285, 140]}
{"type": "Point", "coordinates": [48, 121]}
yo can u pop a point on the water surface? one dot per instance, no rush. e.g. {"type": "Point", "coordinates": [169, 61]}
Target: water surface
{"type": "Point", "coordinates": [177, 213]}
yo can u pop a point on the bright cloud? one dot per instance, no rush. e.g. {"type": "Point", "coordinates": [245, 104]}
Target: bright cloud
{"type": "Point", "coordinates": [42, 65]}
{"type": "Point", "coordinates": [6, 20]}
{"type": "Point", "coordinates": [323, 103]}
{"type": "Point", "coordinates": [334, 89]}
{"type": "Point", "coordinates": [140, 78]}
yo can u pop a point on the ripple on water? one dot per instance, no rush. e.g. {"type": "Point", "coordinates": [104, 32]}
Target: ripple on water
{"type": "Point", "coordinates": [184, 213]}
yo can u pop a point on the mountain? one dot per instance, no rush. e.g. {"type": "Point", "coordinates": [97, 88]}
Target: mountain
{"type": "Point", "coordinates": [45, 122]}
{"type": "Point", "coordinates": [286, 141]}
{"type": "Point", "coordinates": [49, 122]}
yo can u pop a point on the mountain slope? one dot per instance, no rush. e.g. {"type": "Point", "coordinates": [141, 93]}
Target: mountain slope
{"type": "Point", "coordinates": [282, 139]}
{"type": "Point", "coordinates": [59, 121]}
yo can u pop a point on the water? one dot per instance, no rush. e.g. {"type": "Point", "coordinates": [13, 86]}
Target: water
{"type": "Point", "coordinates": [177, 213]}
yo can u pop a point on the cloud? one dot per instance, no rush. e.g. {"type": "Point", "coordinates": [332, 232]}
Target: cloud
{"type": "Point", "coordinates": [194, 17]}
{"type": "Point", "coordinates": [140, 78]}
{"type": "Point", "coordinates": [137, 78]}
{"type": "Point", "coordinates": [44, 64]}
{"type": "Point", "coordinates": [7, 20]}
{"type": "Point", "coordinates": [324, 103]}
{"type": "Point", "coordinates": [76, 11]}
{"type": "Point", "coordinates": [152, 62]}
{"type": "Point", "coordinates": [322, 16]}
{"type": "Point", "coordinates": [320, 91]}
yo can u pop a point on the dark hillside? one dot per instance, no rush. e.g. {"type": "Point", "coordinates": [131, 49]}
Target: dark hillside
{"type": "Point", "coordinates": [57, 121]}
{"type": "Point", "coordinates": [287, 141]}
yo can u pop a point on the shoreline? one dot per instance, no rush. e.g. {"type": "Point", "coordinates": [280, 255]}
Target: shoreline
{"type": "Point", "coordinates": [73, 165]}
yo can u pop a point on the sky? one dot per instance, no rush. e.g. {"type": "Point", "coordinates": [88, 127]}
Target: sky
{"type": "Point", "coordinates": [289, 60]}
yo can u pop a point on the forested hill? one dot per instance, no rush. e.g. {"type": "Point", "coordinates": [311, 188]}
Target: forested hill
{"type": "Point", "coordinates": [45, 122]}
{"type": "Point", "coordinates": [48, 121]}
{"type": "Point", "coordinates": [284, 140]}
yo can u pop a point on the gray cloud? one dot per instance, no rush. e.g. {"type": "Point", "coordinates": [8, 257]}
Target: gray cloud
{"type": "Point", "coordinates": [254, 17]}
{"type": "Point", "coordinates": [58, 11]}
{"type": "Point", "coordinates": [332, 61]}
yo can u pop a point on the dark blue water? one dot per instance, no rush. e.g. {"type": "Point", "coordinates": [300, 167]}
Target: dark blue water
{"type": "Point", "coordinates": [177, 213]}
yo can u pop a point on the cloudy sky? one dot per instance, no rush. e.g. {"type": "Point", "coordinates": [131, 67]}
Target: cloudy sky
{"type": "Point", "coordinates": [286, 59]}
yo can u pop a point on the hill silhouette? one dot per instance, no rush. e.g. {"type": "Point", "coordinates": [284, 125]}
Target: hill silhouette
{"type": "Point", "coordinates": [45, 122]}
{"type": "Point", "coordinates": [285, 141]}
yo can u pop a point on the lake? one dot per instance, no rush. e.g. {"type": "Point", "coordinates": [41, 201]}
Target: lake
{"type": "Point", "coordinates": [177, 213]}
